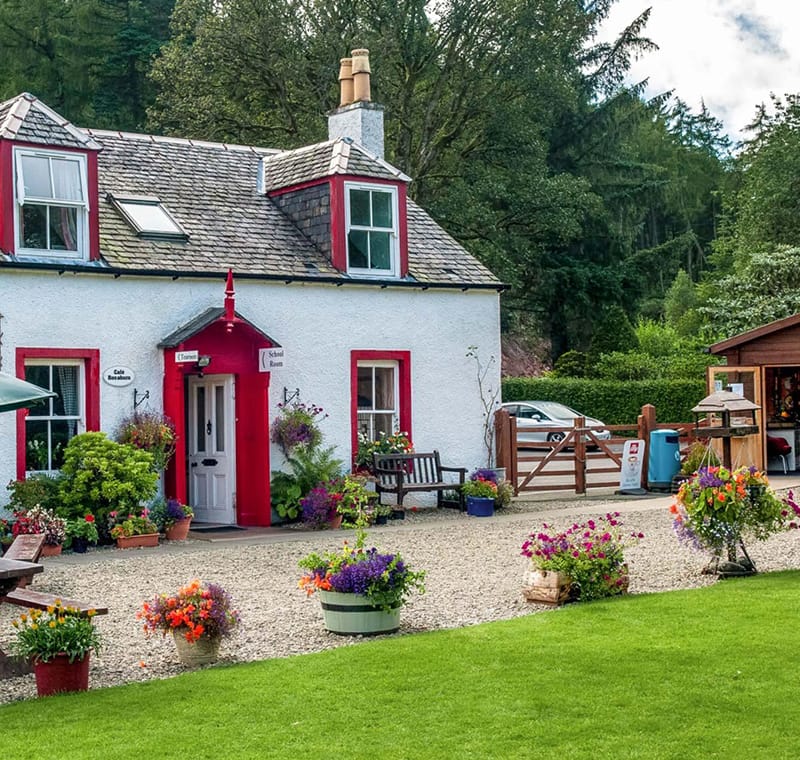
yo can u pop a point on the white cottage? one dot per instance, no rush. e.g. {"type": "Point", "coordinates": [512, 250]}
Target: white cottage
{"type": "Point", "coordinates": [115, 254]}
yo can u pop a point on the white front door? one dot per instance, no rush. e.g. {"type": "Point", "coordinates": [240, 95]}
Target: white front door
{"type": "Point", "coordinates": [212, 461]}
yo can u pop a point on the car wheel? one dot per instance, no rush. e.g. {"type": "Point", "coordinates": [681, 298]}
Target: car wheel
{"type": "Point", "coordinates": [555, 437]}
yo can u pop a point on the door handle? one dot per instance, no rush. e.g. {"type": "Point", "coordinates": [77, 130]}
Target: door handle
{"type": "Point", "coordinates": [208, 427]}
{"type": "Point", "coordinates": [209, 462]}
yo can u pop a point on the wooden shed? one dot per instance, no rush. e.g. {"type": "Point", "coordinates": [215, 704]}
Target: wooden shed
{"type": "Point", "coordinates": [764, 366]}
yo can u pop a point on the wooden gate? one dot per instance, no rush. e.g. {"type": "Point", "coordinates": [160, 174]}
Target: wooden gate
{"type": "Point", "coordinates": [581, 460]}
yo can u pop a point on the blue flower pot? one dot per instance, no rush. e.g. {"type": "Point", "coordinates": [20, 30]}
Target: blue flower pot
{"type": "Point", "coordinates": [480, 506]}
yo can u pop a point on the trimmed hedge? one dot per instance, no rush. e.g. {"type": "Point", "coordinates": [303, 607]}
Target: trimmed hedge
{"type": "Point", "coordinates": [615, 402]}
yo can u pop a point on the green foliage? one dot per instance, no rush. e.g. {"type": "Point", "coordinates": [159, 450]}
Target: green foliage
{"type": "Point", "coordinates": [680, 306]}
{"type": "Point", "coordinates": [636, 365]}
{"type": "Point", "coordinates": [571, 364]}
{"type": "Point", "coordinates": [613, 402]}
{"type": "Point", "coordinates": [700, 454]}
{"type": "Point", "coordinates": [101, 476]}
{"type": "Point", "coordinates": [310, 466]}
{"type": "Point", "coordinates": [38, 489]}
{"type": "Point", "coordinates": [614, 333]}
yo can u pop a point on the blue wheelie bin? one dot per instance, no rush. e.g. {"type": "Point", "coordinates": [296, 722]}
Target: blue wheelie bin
{"type": "Point", "coordinates": [664, 459]}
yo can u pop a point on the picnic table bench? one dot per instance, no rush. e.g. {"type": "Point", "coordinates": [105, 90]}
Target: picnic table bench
{"type": "Point", "coordinates": [401, 474]}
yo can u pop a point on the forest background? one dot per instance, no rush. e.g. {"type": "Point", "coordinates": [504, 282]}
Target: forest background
{"type": "Point", "coordinates": [631, 231]}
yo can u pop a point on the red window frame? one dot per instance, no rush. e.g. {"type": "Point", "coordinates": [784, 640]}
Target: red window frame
{"type": "Point", "coordinates": [403, 359]}
{"type": "Point", "coordinates": [91, 362]}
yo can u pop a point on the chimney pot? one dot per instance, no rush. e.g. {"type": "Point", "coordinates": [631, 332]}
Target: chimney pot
{"type": "Point", "coordinates": [346, 81]}
{"type": "Point", "coordinates": [361, 72]}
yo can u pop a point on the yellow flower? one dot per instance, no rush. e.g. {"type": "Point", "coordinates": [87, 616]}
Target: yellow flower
{"type": "Point", "coordinates": [52, 624]}
{"type": "Point", "coordinates": [51, 609]}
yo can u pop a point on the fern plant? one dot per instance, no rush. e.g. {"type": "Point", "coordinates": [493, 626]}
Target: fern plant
{"type": "Point", "coordinates": [310, 467]}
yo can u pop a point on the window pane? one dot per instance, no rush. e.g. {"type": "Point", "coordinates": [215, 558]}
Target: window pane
{"type": "Point", "coordinates": [67, 180]}
{"type": "Point", "coordinates": [65, 384]}
{"type": "Point", "coordinates": [365, 390]}
{"type": "Point", "coordinates": [379, 250]}
{"type": "Point", "coordinates": [60, 433]}
{"type": "Point", "coordinates": [219, 416]}
{"type": "Point", "coordinates": [359, 207]}
{"type": "Point", "coordinates": [383, 424]}
{"type": "Point", "coordinates": [150, 217]}
{"type": "Point", "coordinates": [357, 248]}
{"type": "Point", "coordinates": [382, 210]}
{"type": "Point", "coordinates": [33, 220]}
{"type": "Point", "coordinates": [36, 176]}
{"type": "Point", "coordinates": [63, 228]}
{"type": "Point", "coordinates": [38, 374]}
{"type": "Point", "coordinates": [36, 454]}
{"type": "Point", "coordinates": [200, 409]}
{"type": "Point", "coordinates": [384, 388]}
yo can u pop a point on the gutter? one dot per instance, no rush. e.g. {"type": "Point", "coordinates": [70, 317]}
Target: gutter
{"type": "Point", "coordinates": [116, 272]}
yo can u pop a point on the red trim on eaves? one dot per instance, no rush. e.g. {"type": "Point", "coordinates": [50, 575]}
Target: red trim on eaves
{"type": "Point", "coordinates": [6, 198]}
{"type": "Point", "coordinates": [403, 359]}
{"type": "Point", "coordinates": [91, 361]}
{"type": "Point", "coordinates": [94, 207]}
{"type": "Point", "coordinates": [338, 225]}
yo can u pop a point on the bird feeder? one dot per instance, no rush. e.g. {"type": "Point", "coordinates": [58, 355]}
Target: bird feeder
{"type": "Point", "coordinates": [728, 415]}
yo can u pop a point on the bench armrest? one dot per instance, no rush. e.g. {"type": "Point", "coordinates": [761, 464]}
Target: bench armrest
{"type": "Point", "coordinates": [462, 471]}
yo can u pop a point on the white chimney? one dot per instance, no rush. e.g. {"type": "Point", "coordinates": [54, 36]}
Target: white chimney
{"type": "Point", "coordinates": [357, 117]}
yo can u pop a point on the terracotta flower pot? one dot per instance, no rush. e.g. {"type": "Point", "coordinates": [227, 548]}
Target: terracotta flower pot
{"type": "Point", "coordinates": [179, 530]}
{"type": "Point", "coordinates": [61, 675]}
{"type": "Point", "coordinates": [51, 550]}
{"type": "Point", "coordinates": [131, 542]}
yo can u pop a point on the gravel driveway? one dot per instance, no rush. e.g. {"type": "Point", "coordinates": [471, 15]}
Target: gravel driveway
{"type": "Point", "coordinates": [473, 565]}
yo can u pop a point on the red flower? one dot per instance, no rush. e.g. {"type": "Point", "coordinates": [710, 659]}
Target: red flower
{"type": "Point", "coordinates": [89, 518]}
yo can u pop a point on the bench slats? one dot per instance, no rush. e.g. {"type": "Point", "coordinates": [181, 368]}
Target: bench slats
{"type": "Point", "coordinates": [37, 600]}
{"type": "Point", "coordinates": [26, 547]}
{"type": "Point", "coordinates": [405, 473]}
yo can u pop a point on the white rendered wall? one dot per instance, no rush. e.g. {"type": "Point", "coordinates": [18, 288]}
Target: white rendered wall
{"type": "Point", "coordinates": [317, 325]}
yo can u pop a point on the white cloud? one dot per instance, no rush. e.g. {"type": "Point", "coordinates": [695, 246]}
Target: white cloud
{"type": "Point", "coordinates": [729, 53]}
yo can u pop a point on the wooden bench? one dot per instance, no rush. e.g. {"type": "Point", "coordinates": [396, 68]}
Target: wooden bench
{"type": "Point", "coordinates": [401, 474]}
{"type": "Point", "coordinates": [25, 548]}
{"type": "Point", "coordinates": [36, 600]}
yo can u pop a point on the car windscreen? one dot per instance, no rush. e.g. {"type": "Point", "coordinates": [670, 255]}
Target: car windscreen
{"type": "Point", "coordinates": [559, 411]}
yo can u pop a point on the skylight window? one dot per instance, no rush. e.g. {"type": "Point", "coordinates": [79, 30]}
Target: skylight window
{"type": "Point", "coordinates": [148, 217]}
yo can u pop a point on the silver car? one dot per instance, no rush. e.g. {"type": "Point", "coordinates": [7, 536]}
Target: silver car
{"type": "Point", "coordinates": [533, 415]}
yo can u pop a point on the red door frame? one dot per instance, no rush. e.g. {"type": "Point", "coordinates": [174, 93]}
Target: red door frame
{"type": "Point", "coordinates": [232, 353]}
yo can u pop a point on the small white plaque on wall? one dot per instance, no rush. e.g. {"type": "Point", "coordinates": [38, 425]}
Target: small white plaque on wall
{"type": "Point", "coordinates": [119, 376]}
{"type": "Point", "coordinates": [270, 359]}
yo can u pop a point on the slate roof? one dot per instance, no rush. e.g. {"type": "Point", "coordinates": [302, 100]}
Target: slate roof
{"type": "Point", "coordinates": [215, 192]}
{"type": "Point", "coordinates": [341, 156]}
{"type": "Point", "coordinates": [200, 322]}
{"type": "Point", "coordinates": [26, 119]}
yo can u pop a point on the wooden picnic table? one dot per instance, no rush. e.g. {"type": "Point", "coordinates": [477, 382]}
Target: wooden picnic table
{"type": "Point", "coordinates": [11, 572]}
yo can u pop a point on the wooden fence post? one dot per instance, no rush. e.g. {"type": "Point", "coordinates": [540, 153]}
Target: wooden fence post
{"type": "Point", "coordinates": [502, 442]}
{"type": "Point", "coordinates": [647, 424]}
{"type": "Point", "coordinates": [579, 452]}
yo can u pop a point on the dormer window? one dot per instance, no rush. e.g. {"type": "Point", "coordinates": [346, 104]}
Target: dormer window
{"type": "Point", "coordinates": [148, 217]}
{"type": "Point", "coordinates": [52, 204]}
{"type": "Point", "coordinates": [372, 230]}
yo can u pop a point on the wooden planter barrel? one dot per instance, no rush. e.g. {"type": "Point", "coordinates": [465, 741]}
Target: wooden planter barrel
{"type": "Point", "coordinates": [353, 615]}
{"type": "Point", "coordinates": [546, 587]}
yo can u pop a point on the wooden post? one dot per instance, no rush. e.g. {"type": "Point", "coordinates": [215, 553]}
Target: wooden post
{"type": "Point", "coordinates": [647, 424]}
{"type": "Point", "coordinates": [579, 453]}
{"type": "Point", "coordinates": [502, 430]}
{"type": "Point", "coordinates": [513, 473]}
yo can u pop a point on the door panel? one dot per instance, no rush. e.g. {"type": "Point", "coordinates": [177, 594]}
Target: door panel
{"type": "Point", "coordinates": [212, 463]}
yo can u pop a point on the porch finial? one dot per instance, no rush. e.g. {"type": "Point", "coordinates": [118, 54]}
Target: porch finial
{"type": "Point", "coordinates": [230, 305]}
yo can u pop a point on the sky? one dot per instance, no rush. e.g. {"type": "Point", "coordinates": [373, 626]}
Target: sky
{"type": "Point", "coordinates": [731, 54]}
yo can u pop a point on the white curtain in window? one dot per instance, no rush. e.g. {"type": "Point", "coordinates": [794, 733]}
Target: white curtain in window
{"type": "Point", "coordinates": [68, 380]}
{"type": "Point", "coordinates": [67, 180]}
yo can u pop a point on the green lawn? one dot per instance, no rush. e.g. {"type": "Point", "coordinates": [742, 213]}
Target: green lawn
{"type": "Point", "coordinates": [705, 673]}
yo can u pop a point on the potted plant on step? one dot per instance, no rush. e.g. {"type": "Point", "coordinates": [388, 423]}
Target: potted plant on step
{"type": "Point", "coordinates": [583, 562]}
{"type": "Point", "coordinates": [480, 493]}
{"type": "Point", "coordinates": [82, 532]}
{"type": "Point", "coordinates": [177, 520]}
{"type": "Point", "coordinates": [198, 617]}
{"type": "Point", "coordinates": [361, 590]}
{"type": "Point", "coordinates": [133, 530]}
{"type": "Point", "coordinates": [58, 642]}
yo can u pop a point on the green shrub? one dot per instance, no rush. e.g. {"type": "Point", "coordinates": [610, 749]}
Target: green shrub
{"type": "Point", "coordinates": [310, 466]}
{"type": "Point", "coordinates": [100, 476]}
{"type": "Point", "coordinates": [571, 364]}
{"type": "Point", "coordinates": [612, 401]}
{"type": "Point", "coordinates": [38, 489]}
{"type": "Point", "coordinates": [614, 333]}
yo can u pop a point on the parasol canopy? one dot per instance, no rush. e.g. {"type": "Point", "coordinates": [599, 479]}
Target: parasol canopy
{"type": "Point", "coordinates": [17, 394]}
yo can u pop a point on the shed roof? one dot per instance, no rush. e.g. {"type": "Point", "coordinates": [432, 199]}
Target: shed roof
{"type": "Point", "coordinates": [755, 334]}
